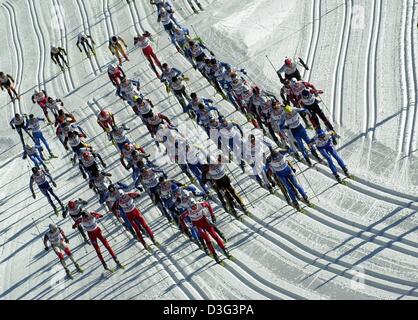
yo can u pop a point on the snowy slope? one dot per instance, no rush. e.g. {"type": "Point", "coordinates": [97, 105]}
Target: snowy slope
{"type": "Point", "coordinates": [357, 56]}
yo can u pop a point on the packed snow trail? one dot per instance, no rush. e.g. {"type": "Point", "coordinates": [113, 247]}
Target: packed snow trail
{"type": "Point", "coordinates": [366, 228]}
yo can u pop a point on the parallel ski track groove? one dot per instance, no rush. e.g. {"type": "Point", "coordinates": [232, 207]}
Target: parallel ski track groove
{"type": "Point", "coordinates": [18, 48]}
{"type": "Point", "coordinates": [83, 5]}
{"type": "Point", "coordinates": [63, 73]}
{"type": "Point", "coordinates": [414, 129]}
{"type": "Point", "coordinates": [313, 46]}
{"type": "Point", "coordinates": [85, 28]}
{"type": "Point", "coordinates": [413, 103]}
{"type": "Point", "coordinates": [133, 16]}
{"type": "Point", "coordinates": [64, 38]}
{"type": "Point", "coordinates": [337, 93]}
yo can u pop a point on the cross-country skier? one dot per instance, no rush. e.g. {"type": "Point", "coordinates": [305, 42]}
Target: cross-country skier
{"type": "Point", "coordinates": [231, 136]}
{"type": "Point", "coordinates": [195, 101]}
{"type": "Point", "coordinates": [148, 177]}
{"type": "Point", "coordinates": [204, 114]}
{"type": "Point", "coordinates": [203, 218]}
{"type": "Point", "coordinates": [55, 105]}
{"type": "Point", "coordinates": [64, 117]}
{"type": "Point", "coordinates": [40, 177]}
{"type": "Point", "coordinates": [56, 236]}
{"type": "Point", "coordinates": [323, 142]}
{"type": "Point", "coordinates": [126, 202]}
{"type": "Point", "coordinates": [57, 56]}
{"type": "Point", "coordinates": [142, 106]}
{"type": "Point", "coordinates": [41, 98]}
{"type": "Point", "coordinates": [87, 160]}
{"type": "Point", "coordinates": [8, 83]}
{"type": "Point", "coordinates": [63, 132]}
{"type": "Point", "coordinates": [83, 39]}
{"type": "Point", "coordinates": [33, 154]}
{"type": "Point", "coordinates": [167, 6]}
{"type": "Point", "coordinates": [74, 209]}
{"type": "Point", "coordinates": [197, 52]}
{"type": "Point", "coordinates": [118, 135]}
{"type": "Point", "coordinates": [144, 42]}
{"type": "Point", "coordinates": [215, 173]}
{"type": "Point", "coordinates": [290, 69]}
{"type": "Point", "coordinates": [18, 123]}
{"type": "Point", "coordinates": [180, 39]}
{"type": "Point", "coordinates": [179, 90]}
{"type": "Point", "coordinates": [278, 164]}
{"type": "Point", "coordinates": [128, 89]}
{"type": "Point", "coordinates": [115, 73]}
{"type": "Point", "coordinates": [106, 120]}
{"type": "Point", "coordinates": [166, 19]}
{"type": "Point", "coordinates": [34, 124]}
{"type": "Point", "coordinates": [89, 223]}
{"type": "Point", "coordinates": [309, 101]}
{"type": "Point", "coordinates": [291, 120]}
{"type": "Point", "coordinates": [117, 46]}
{"type": "Point", "coordinates": [153, 122]}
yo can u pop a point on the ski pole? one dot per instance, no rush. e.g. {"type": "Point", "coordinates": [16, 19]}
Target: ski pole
{"type": "Point", "coordinates": [242, 190]}
{"type": "Point", "coordinates": [36, 226]}
{"type": "Point", "coordinates": [297, 164]}
{"type": "Point", "coordinates": [272, 65]}
{"type": "Point", "coordinates": [325, 105]}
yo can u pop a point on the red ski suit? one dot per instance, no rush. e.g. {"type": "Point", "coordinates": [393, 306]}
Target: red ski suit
{"type": "Point", "coordinates": [201, 217]}
{"type": "Point", "coordinates": [133, 214]}
{"type": "Point", "coordinates": [94, 232]}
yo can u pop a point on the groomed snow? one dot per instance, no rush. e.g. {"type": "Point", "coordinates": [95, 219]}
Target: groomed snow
{"type": "Point", "coordinates": [368, 229]}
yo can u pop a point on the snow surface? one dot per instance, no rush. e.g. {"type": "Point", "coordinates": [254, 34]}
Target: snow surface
{"type": "Point", "coordinates": [368, 229]}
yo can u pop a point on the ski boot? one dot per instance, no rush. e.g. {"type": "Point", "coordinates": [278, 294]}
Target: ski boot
{"type": "Point", "coordinates": [216, 257]}
{"type": "Point", "coordinates": [68, 273]}
{"type": "Point", "coordinates": [194, 10]}
{"type": "Point", "coordinates": [242, 165]}
{"type": "Point", "coordinates": [77, 266]}
{"type": "Point", "coordinates": [56, 211]}
{"type": "Point", "coordinates": [308, 161]}
{"type": "Point", "coordinates": [338, 178]}
{"type": "Point", "coordinates": [118, 263]}
{"type": "Point", "coordinates": [345, 170]}
{"type": "Point", "coordinates": [200, 6]}
{"type": "Point", "coordinates": [155, 242]}
{"type": "Point", "coordinates": [105, 266]}
{"type": "Point", "coordinates": [307, 202]}
{"type": "Point", "coordinates": [226, 252]}
{"type": "Point", "coordinates": [296, 205]}
{"type": "Point", "coordinates": [206, 250]}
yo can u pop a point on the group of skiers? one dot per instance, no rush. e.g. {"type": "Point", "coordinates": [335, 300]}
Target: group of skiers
{"type": "Point", "coordinates": [283, 135]}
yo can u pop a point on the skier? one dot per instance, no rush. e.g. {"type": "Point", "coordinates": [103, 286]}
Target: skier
{"type": "Point", "coordinates": [168, 73]}
{"type": "Point", "coordinates": [34, 124]}
{"type": "Point", "coordinates": [119, 136]}
{"type": "Point", "coordinates": [323, 142]}
{"type": "Point", "coordinates": [76, 141]}
{"type": "Point", "coordinates": [40, 177]}
{"type": "Point", "coordinates": [33, 154]}
{"type": "Point", "coordinates": [167, 6]}
{"type": "Point", "coordinates": [168, 205]}
{"type": "Point", "coordinates": [89, 223]}
{"type": "Point", "coordinates": [195, 101]}
{"type": "Point", "coordinates": [197, 52]}
{"type": "Point", "coordinates": [64, 117]}
{"type": "Point", "coordinates": [64, 129]}
{"type": "Point", "coordinates": [255, 152]}
{"type": "Point", "coordinates": [127, 89]}
{"type": "Point", "coordinates": [41, 98]}
{"type": "Point", "coordinates": [290, 70]}
{"type": "Point", "coordinates": [310, 102]}
{"type": "Point", "coordinates": [203, 218]}
{"type": "Point", "coordinates": [106, 120]}
{"type": "Point", "coordinates": [142, 106]}
{"type": "Point", "coordinates": [18, 123]}
{"type": "Point", "coordinates": [231, 136]}
{"type": "Point", "coordinates": [74, 209]}
{"type": "Point", "coordinates": [144, 42]}
{"type": "Point", "coordinates": [180, 39]}
{"type": "Point", "coordinates": [8, 83]}
{"type": "Point", "coordinates": [278, 164]}
{"type": "Point", "coordinates": [149, 179]}
{"type": "Point", "coordinates": [291, 120]}
{"type": "Point", "coordinates": [83, 40]}
{"type": "Point", "coordinates": [166, 19]}
{"type": "Point", "coordinates": [179, 90]}
{"type": "Point", "coordinates": [215, 173]}
{"type": "Point", "coordinates": [153, 122]}
{"type": "Point", "coordinates": [287, 92]}
{"type": "Point", "coordinates": [111, 197]}
{"type": "Point", "coordinates": [87, 160]}
{"type": "Point", "coordinates": [204, 114]}
{"type": "Point", "coordinates": [56, 236]}
{"type": "Point", "coordinates": [115, 73]}
{"type": "Point", "coordinates": [126, 202]}
{"type": "Point", "coordinates": [57, 56]}
{"type": "Point", "coordinates": [55, 105]}
{"type": "Point", "coordinates": [116, 48]}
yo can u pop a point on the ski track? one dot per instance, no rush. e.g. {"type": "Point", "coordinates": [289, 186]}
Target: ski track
{"type": "Point", "coordinates": [86, 30]}
{"type": "Point", "coordinates": [17, 47]}
{"type": "Point", "coordinates": [414, 40]}
{"type": "Point", "coordinates": [410, 67]}
{"type": "Point", "coordinates": [338, 82]}
{"type": "Point", "coordinates": [313, 43]}
{"type": "Point", "coordinates": [275, 237]}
